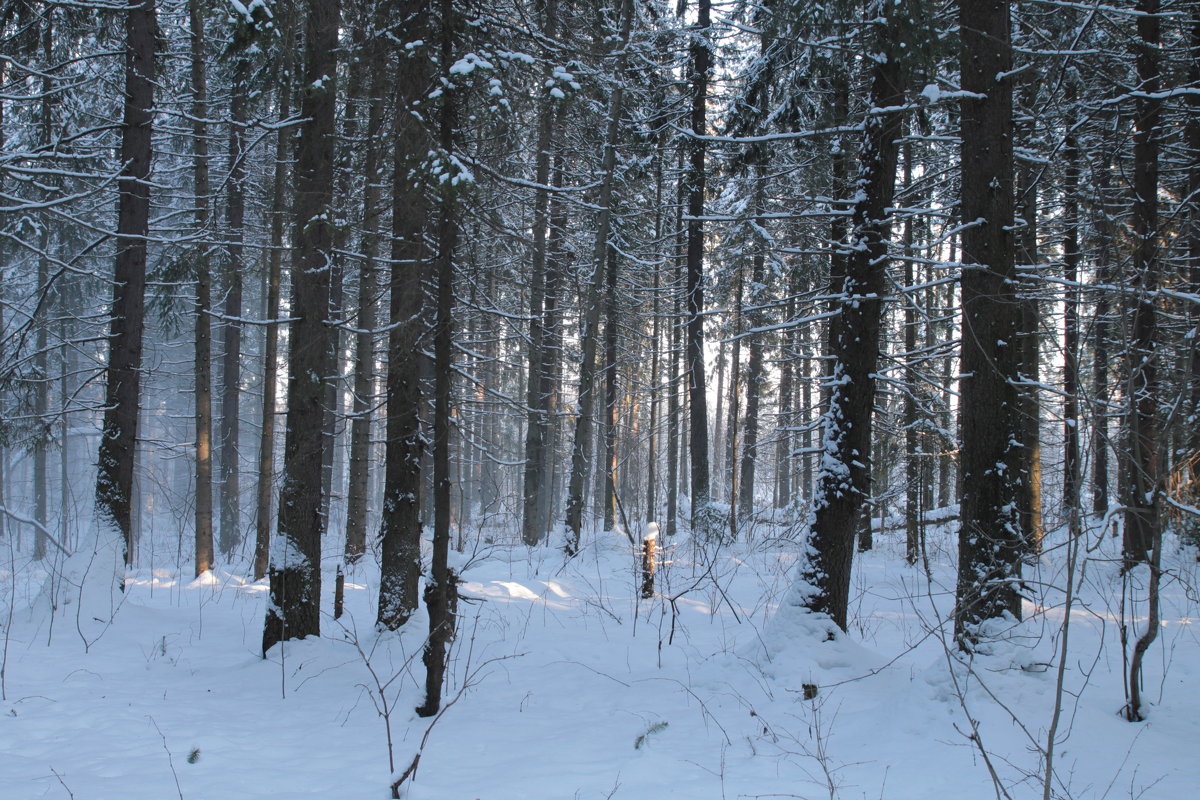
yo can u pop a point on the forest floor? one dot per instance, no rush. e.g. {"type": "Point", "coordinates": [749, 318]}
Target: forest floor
{"type": "Point", "coordinates": [565, 684]}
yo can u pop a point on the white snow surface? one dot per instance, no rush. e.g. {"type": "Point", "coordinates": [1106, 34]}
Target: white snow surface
{"type": "Point", "coordinates": [567, 685]}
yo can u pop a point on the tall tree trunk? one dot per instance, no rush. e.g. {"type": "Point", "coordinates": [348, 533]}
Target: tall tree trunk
{"type": "Point", "coordinates": [400, 521]}
{"type": "Point", "coordinates": [733, 421]}
{"type": "Point", "coordinates": [1144, 479]}
{"type": "Point", "coordinates": [805, 408]}
{"type": "Point", "coordinates": [332, 403]}
{"type": "Point", "coordinates": [552, 342]}
{"type": "Point", "coordinates": [294, 611]}
{"type": "Point", "coordinates": [582, 446]}
{"type": "Point", "coordinates": [755, 381]}
{"type": "Point", "coordinates": [673, 355]}
{"type": "Point", "coordinates": [203, 352]}
{"type": "Point", "coordinates": [701, 66]}
{"type": "Point", "coordinates": [41, 444]}
{"type": "Point", "coordinates": [537, 423]}
{"type": "Point", "coordinates": [784, 425]}
{"type": "Point", "coordinates": [231, 360]}
{"type": "Point", "coordinates": [122, 400]}
{"type": "Point", "coordinates": [948, 466]}
{"type": "Point", "coordinates": [1140, 465]}
{"type": "Point", "coordinates": [652, 431]}
{"type": "Point", "coordinates": [990, 541]}
{"type": "Point", "coordinates": [1030, 498]}
{"type": "Point", "coordinates": [360, 65]}
{"type": "Point", "coordinates": [913, 456]}
{"type": "Point", "coordinates": [1101, 329]}
{"type": "Point", "coordinates": [4, 450]}
{"type": "Point", "coordinates": [610, 392]}
{"type": "Point", "coordinates": [1192, 416]}
{"type": "Point", "coordinates": [66, 364]}
{"type": "Point", "coordinates": [441, 593]}
{"type": "Point", "coordinates": [1070, 248]}
{"type": "Point", "coordinates": [364, 340]}
{"type": "Point", "coordinates": [490, 375]}
{"type": "Point", "coordinates": [1142, 498]}
{"type": "Point", "coordinates": [266, 443]}
{"type": "Point", "coordinates": [843, 483]}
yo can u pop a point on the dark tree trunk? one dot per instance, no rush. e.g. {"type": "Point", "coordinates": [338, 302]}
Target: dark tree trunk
{"type": "Point", "coordinates": [489, 475]}
{"type": "Point", "coordinates": [913, 457]}
{"type": "Point", "coordinates": [733, 420]}
{"type": "Point", "coordinates": [294, 611]}
{"type": "Point", "coordinates": [441, 592]}
{"type": "Point", "coordinates": [4, 450]}
{"type": "Point", "coordinates": [802, 415]}
{"type": "Point", "coordinates": [584, 424]}
{"type": "Point", "coordinates": [1141, 464]}
{"type": "Point", "coordinates": [1101, 328]}
{"type": "Point", "coordinates": [537, 424]}
{"type": "Point", "coordinates": [231, 369]}
{"type": "Point", "coordinates": [1143, 482]}
{"type": "Point", "coordinates": [701, 66]}
{"type": "Point", "coordinates": [203, 352]}
{"type": "Point", "coordinates": [755, 380]}
{"type": "Point", "coordinates": [1070, 248]}
{"type": "Point", "coordinates": [1030, 497]}
{"type": "Point", "coordinates": [784, 434]}
{"type": "Point", "coordinates": [843, 483]}
{"type": "Point", "coordinates": [610, 393]}
{"type": "Point", "coordinates": [1192, 417]}
{"type": "Point", "coordinates": [364, 340]}
{"type": "Point", "coordinates": [118, 440]}
{"type": "Point", "coordinates": [652, 432]}
{"type": "Point", "coordinates": [556, 255]}
{"type": "Point", "coordinates": [41, 445]}
{"type": "Point", "coordinates": [400, 523]}
{"type": "Point", "coordinates": [673, 389]}
{"type": "Point", "coordinates": [990, 540]}
{"type": "Point", "coordinates": [266, 444]}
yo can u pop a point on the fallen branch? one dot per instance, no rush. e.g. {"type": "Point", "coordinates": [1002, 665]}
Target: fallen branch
{"type": "Point", "coordinates": [42, 529]}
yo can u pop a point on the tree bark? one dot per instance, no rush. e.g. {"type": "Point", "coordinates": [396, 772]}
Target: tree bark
{"type": "Point", "coordinates": [122, 400]}
{"type": "Point", "coordinates": [400, 522]}
{"type": "Point", "coordinates": [537, 423]}
{"type": "Point", "coordinates": [203, 351]}
{"type": "Point", "coordinates": [231, 360]}
{"type": "Point", "coordinates": [733, 415]}
{"type": "Point", "coordinates": [266, 443]}
{"type": "Point", "coordinates": [990, 540]}
{"type": "Point", "coordinates": [674, 410]}
{"type": "Point", "coordinates": [700, 68]}
{"type": "Point", "coordinates": [1143, 481]}
{"type": "Point", "coordinates": [1143, 484]}
{"type": "Point", "coordinates": [364, 340]}
{"type": "Point", "coordinates": [294, 611]}
{"type": "Point", "coordinates": [441, 592]}
{"type": "Point", "coordinates": [552, 346]}
{"type": "Point", "coordinates": [755, 381]}
{"type": "Point", "coordinates": [1070, 248]}
{"type": "Point", "coordinates": [843, 483]}
{"type": "Point", "coordinates": [584, 424]}
{"type": "Point", "coordinates": [1192, 416]}
{"type": "Point", "coordinates": [784, 437]}
{"type": "Point", "coordinates": [42, 438]}
{"type": "Point", "coordinates": [610, 393]}
{"type": "Point", "coordinates": [913, 455]}
{"type": "Point", "coordinates": [1030, 498]}
{"type": "Point", "coordinates": [1101, 328]}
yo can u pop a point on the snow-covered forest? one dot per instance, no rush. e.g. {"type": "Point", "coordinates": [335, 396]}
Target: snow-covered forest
{"type": "Point", "coordinates": [571, 399]}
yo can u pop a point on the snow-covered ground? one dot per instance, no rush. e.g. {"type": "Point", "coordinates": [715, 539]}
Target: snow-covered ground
{"type": "Point", "coordinates": [564, 684]}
